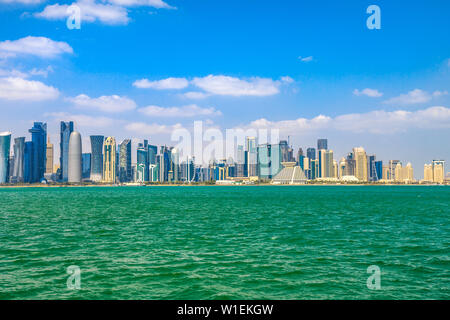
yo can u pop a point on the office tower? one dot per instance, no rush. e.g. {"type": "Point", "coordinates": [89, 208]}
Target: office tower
{"type": "Point", "coordinates": [391, 172]}
{"type": "Point", "coordinates": [165, 164]}
{"type": "Point", "coordinates": [269, 160]}
{"type": "Point", "coordinates": [371, 170]}
{"type": "Point", "coordinates": [350, 165]}
{"type": "Point", "coordinates": [408, 172]}
{"type": "Point", "coordinates": [109, 160]}
{"type": "Point", "coordinates": [428, 172]}
{"type": "Point", "coordinates": [125, 161]}
{"type": "Point", "coordinates": [5, 148]}
{"type": "Point", "coordinates": [325, 163]}
{"type": "Point", "coordinates": [398, 175]}
{"type": "Point", "coordinates": [403, 174]}
{"type": "Point", "coordinates": [300, 157]}
{"type": "Point", "coordinates": [74, 160]}
{"type": "Point", "coordinates": [142, 166]}
{"type": "Point", "coordinates": [252, 157]}
{"type": "Point", "coordinates": [19, 153]}
{"type": "Point", "coordinates": [152, 152]}
{"type": "Point", "coordinates": [240, 158]}
{"type": "Point", "coordinates": [175, 164]}
{"type": "Point", "coordinates": [49, 154]}
{"type": "Point", "coordinates": [311, 154]}
{"type": "Point", "coordinates": [28, 160]}
{"type": "Point", "coordinates": [39, 138]}
{"type": "Point", "coordinates": [385, 175]}
{"type": "Point", "coordinates": [314, 169]}
{"type": "Point", "coordinates": [335, 169]}
{"type": "Point", "coordinates": [322, 144]}
{"type": "Point", "coordinates": [287, 154]}
{"type": "Point", "coordinates": [360, 164]}
{"type": "Point", "coordinates": [306, 169]}
{"type": "Point", "coordinates": [86, 160]}
{"type": "Point", "coordinates": [66, 128]}
{"type": "Point", "coordinates": [342, 167]}
{"type": "Point", "coordinates": [438, 171]}
{"type": "Point", "coordinates": [378, 170]}
{"type": "Point", "coordinates": [96, 158]}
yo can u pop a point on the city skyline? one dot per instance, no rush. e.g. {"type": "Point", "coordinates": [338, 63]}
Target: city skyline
{"type": "Point", "coordinates": [386, 90]}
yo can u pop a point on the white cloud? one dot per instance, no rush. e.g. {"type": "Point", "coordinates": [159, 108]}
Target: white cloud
{"type": "Point", "coordinates": [82, 119]}
{"type": "Point", "coordinates": [287, 79]}
{"type": "Point", "coordinates": [26, 74]}
{"type": "Point", "coordinates": [149, 129]}
{"type": "Point", "coordinates": [110, 104]}
{"type": "Point", "coordinates": [14, 88]}
{"type": "Point", "coordinates": [90, 12]}
{"type": "Point", "coordinates": [195, 95]}
{"type": "Point", "coordinates": [36, 46]}
{"type": "Point", "coordinates": [180, 112]}
{"type": "Point", "coordinates": [142, 3]}
{"type": "Point", "coordinates": [438, 93]}
{"type": "Point", "coordinates": [306, 59]}
{"type": "Point", "coordinates": [412, 97]}
{"type": "Point", "coordinates": [373, 93]}
{"type": "Point", "coordinates": [376, 122]}
{"type": "Point", "coordinates": [225, 85]}
{"type": "Point", "coordinates": [22, 1]}
{"type": "Point", "coordinates": [164, 84]}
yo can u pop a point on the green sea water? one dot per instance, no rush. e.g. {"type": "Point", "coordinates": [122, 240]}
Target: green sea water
{"type": "Point", "coordinates": [260, 242]}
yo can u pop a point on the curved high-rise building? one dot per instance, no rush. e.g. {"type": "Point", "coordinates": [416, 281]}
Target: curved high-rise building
{"type": "Point", "coordinates": [109, 160]}
{"type": "Point", "coordinates": [97, 158]}
{"type": "Point", "coordinates": [66, 130]}
{"type": "Point", "coordinates": [74, 163]}
{"type": "Point", "coordinates": [5, 144]}
{"type": "Point", "coordinates": [19, 153]}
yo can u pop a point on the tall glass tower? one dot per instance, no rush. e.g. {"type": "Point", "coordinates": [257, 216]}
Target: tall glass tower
{"type": "Point", "coordinates": [97, 158]}
{"type": "Point", "coordinates": [28, 160]}
{"type": "Point", "coordinates": [125, 161]}
{"type": "Point", "coordinates": [66, 130]}
{"type": "Point", "coordinates": [19, 153]}
{"type": "Point", "coordinates": [109, 160]}
{"type": "Point", "coordinates": [322, 144]}
{"type": "Point", "coordinates": [5, 145]}
{"type": "Point", "coordinates": [39, 138]}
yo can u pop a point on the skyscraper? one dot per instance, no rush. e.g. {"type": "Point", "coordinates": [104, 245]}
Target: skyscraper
{"type": "Point", "coordinates": [325, 163]}
{"type": "Point", "coordinates": [240, 158]}
{"type": "Point", "coordinates": [109, 160]}
{"type": "Point", "coordinates": [96, 158]}
{"type": "Point", "coordinates": [86, 160]}
{"type": "Point", "coordinates": [360, 163]}
{"type": "Point", "coordinates": [66, 129]}
{"type": "Point", "coordinates": [378, 170]}
{"type": "Point", "coordinates": [49, 161]}
{"type": "Point", "coordinates": [39, 138]}
{"type": "Point", "coordinates": [322, 144]}
{"type": "Point", "coordinates": [5, 148]}
{"type": "Point", "coordinates": [252, 157]}
{"type": "Point", "coordinates": [19, 153]}
{"type": "Point", "coordinates": [286, 152]}
{"type": "Point", "coordinates": [269, 160]}
{"type": "Point", "coordinates": [74, 163]}
{"type": "Point", "coordinates": [371, 170]}
{"type": "Point", "coordinates": [125, 161]}
{"type": "Point", "coordinates": [28, 160]}
{"type": "Point", "coordinates": [142, 163]}
{"type": "Point", "coordinates": [438, 171]}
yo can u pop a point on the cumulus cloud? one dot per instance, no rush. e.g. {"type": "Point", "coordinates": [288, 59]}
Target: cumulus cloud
{"type": "Point", "coordinates": [306, 59]}
{"type": "Point", "coordinates": [35, 46]}
{"type": "Point", "coordinates": [15, 88]}
{"type": "Point", "coordinates": [159, 4]}
{"type": "Point", "coordinates": [415, 96]}
{"type": "Point", "coordinates": [110, 104]}
{"type": "Point", "coordinates": [231, 86]}
{"type": "Point", "coordinates": [376, 122]}
{"type": "Point", "coordinates": [90, 12]}
{"type": "Point", "coordinates": [180, 112]}
{"type": "Point", "coordinates": [22, 1]}
{"type": "Point", "coordinates": [164, 84]}
{"type": "Point", "coordinates": [195, 95]}
{"type": "Point", "coordinates": [373, 93]}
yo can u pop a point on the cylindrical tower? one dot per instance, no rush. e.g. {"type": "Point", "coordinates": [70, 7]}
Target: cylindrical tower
{"type": "Point", "coordinates": [75, 157]}
{"type": "Point", "coordinates": [19, 153]}
{"type": "Point", "coordinates": [5, 143]}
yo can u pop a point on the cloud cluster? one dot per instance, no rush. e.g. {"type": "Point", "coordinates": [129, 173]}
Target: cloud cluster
{"type": "Point", "coordinates": [415, 96]}
{"type": "Point", "coordinates": [110, 104]}
{"type": "Point", "coordinates": [373, 93]}
{"type": "Point", "coordinates": [376, 122]}
{"type": "Point", "coordinates": [16, 88]}
{"type": "Point", "coordinates": [219, 85]}
{"type": "Point", "coordinates": [110, 12]}
{"type": "Point", "coordinates": [41, 47]}
{"type": "Point", "coordinates": [182, 112]}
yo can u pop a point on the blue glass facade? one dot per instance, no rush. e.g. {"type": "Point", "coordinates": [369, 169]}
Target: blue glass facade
{"type": "Point", "coordinates": [96, 157]}
{"type": "Point", "coordinates": [66, 130]}
{"type": "Point", "coordinates": [39, 138]}
{"type": "Point", "coordinates": [28, 162]}
{"type": "Point", "coordinates": [86, 165]}
{"type": "Point", "coordinates": [5, 148]}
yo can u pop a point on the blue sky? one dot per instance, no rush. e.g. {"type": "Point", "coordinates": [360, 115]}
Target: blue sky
{"type": "Point", "coordinates": [239, 62]}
